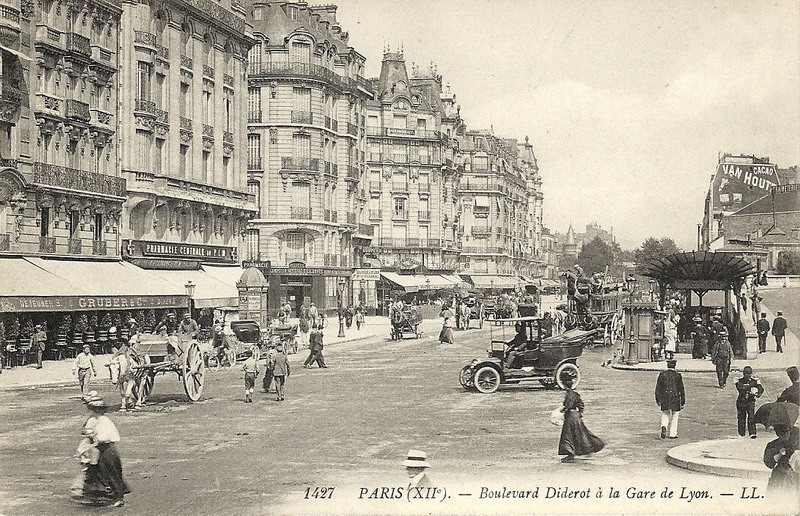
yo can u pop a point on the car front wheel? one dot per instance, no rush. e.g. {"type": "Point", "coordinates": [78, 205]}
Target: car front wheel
{"type": "Point", "coordinates": [487, 380]}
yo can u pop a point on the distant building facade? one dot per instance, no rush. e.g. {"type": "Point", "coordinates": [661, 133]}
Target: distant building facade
{"type": "Point", "coordinates": [413, 179]}
{"type": "Point", "coordinates": [306, 154]}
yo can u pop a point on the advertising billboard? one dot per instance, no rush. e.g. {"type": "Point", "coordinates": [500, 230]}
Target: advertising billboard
{"type": "Point", "coordinates": [738, 184]}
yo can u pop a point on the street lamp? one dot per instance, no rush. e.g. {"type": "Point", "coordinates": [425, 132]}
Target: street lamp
{"type": "Point", "coordinates": [631, 282]}
{"type": "Point", "coordinates": [190, 292]}
{"type": "Point", "coordinates": [339, 307]}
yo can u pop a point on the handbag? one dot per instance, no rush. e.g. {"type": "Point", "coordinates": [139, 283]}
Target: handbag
{"type": "Point", "coordinates": [557, 416]}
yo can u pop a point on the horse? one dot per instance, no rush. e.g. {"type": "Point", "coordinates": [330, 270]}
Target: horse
{"type": "Point", "coordinates": [133, 382]}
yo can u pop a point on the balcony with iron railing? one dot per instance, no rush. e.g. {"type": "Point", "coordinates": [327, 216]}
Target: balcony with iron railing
{"type": "Point", "coordinates": [144, 106]}
{"type": "Point", "coordinates": [254, 117]}
{"type": "Point", "coordinates": [423, 215]}
{"type": "Point", "coordinates": [77, 110]}
{"type": "Point", "coordinates": [144, 38]}
{"type": "Point", "coordinates": [353, 172]}
{"type": "Point", "coordinates": [227, 137]}
{"type": "Point", "coordinates": [74, 246]}
{"type": "Point", "coordinates": [365, 229]}
{"type": "Point", "coordinates": [375, 214]}
{"type": "Point", "coordinates": [375, 156]}
{"type": "Point", "coordinates": [302, 117]}
{"type": "Point", "coordinates": [399, 187]}
{"type": "Point", "coordinates": [481, 230]}
{"type": "Point", "coordinates": [300, 213]}
{"type": "Point", "coordinates": [424, 187]}
{"type": "Point", "coordinates": [313, 71]}
{"type": "Point", "coordinates": [162, 116]}
{"type": "Point", "coordinates": [99, 247]}
{"type": "Point", "coordinates": [186, 123]}
{"type": "Point", "coordinates": [375, 186]}
{"type": "Point", "coordinates": [399, 158]}
{"type": "Point", "coordinates": [78, 44]}
{"type": "Point", "coordinates": [187, 62]}
{"type": "Point", "coordinates": [46, 103]}
{"type": "Point", "coordinates": [254, 163]}
{"type": "Point", "coordinates": [295, 256]}
{"type": "Point", "coordinates": [10, 14]}
{"type": "Point", "coordinates": [308, 164]}
{"type": "Point", "coordinates": [208, 131]}
{"type": "Point", "coordinates": [162, 52]}
{"type": "Point", "coordinates": [400, 215]}
{"type": "Point", "coordinates": [47, 244]}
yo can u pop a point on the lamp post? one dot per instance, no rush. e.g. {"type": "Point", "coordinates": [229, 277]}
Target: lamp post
{"type": "Point", "coordinates": [631, 282]}
{"type": "Point", "coordinates": [339, 307]}
{"type": "Point", "coordinates": [190, 292]}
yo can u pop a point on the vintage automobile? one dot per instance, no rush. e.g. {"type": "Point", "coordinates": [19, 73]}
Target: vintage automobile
{"type": "Point", "coordinates": [548, 360]}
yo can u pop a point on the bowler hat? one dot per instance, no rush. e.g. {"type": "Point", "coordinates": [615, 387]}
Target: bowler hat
{"type": "Point", "coordinates": [416, 459]}
{"type": "Point", "coordinates": [672, 363]}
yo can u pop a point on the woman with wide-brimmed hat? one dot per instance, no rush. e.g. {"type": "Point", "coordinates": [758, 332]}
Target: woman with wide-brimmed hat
{"type": "Point", "coordinates": [109, 465]}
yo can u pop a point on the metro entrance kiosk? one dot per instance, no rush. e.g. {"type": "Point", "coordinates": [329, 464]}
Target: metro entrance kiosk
{"type": "Point", "coordinates": [698, 272]}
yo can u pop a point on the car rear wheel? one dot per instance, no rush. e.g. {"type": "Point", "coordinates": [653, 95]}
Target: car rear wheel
{"type": "Point", "coordinates": [487, 380]}
{"type": "Point", "coordinates": [568, 370]}
{"type": "Point", "coordinates": [465, 378]}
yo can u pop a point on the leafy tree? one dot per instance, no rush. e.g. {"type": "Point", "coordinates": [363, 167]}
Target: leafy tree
{"type": "Point", "coordinates": [788, 262]}
{"type": "Point", "coordinates": [654, 248]}
{"type": "Point", "coordinates": [595, 256]}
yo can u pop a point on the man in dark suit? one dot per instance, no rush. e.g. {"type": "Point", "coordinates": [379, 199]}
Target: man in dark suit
{"type": "Point", "coordinates": [779, 330]}
{"type": "Point", "coordinates": [38, 344]}
{"type": "Point", "coordinates": [762, 327]}
{"type": "Point", "coordinates": [671, 397]}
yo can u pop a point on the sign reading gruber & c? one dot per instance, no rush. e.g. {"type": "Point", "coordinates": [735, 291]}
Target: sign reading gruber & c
{"type": "Point", "coordinates": [204, 253]}
{"type": "Point", "coordinates": [80, 303]}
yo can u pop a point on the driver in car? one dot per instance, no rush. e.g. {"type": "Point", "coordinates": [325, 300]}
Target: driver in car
{"type": "Point", "coordinates": [517, 345]}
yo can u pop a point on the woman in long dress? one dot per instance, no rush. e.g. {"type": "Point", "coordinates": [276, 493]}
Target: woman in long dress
{"type": "Point", "coordinates": [575, 439]}
{"type": "Point", "coordinates": [446, 335]}
{"type": "Point", "coordinates": [109, 465]}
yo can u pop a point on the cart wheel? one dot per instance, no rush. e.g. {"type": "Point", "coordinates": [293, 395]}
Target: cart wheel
{"type": "Point", "coordinates": [568, 370]}
{"type": "Point", "coordinates": [465, 378]}
{"type": "Point", "coordinates": [192, 372]}
{"type": "Point", "coordinates": [548, 383]}
{"type": "Point", "coordinates": [487, 380]}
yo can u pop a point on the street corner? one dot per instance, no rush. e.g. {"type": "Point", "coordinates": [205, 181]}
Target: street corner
{"type": "Point", "coordinates": [735, 457]}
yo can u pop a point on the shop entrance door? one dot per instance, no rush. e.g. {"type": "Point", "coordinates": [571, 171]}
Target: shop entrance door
{"type": "Point", "coordinates": [296, 299]}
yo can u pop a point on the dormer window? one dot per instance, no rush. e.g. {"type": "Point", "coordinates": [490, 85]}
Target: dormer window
{"type": "Point", "coordinates": [293, 15]}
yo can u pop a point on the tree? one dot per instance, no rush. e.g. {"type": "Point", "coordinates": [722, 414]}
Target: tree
{"type": "Point", "coordinates": [788, 262]}
{"type": "Point", "coordinates": [595, 256]}
{"type": "Point", "coordinates": [653, 249]}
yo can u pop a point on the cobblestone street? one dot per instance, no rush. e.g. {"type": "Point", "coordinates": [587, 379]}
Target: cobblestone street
{"type": "Point", "coordinates": [351, 425]}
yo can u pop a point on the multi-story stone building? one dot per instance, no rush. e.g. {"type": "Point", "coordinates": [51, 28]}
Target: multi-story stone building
{"type": "Point", "coordinates": [61, 193]}
{"type": "Point", "coordinates": [306, 154]}
{"type": "Point", "coordinates": [499, 211]}
{"type": "Point", "coordinates": [183, 105]}
{"type": "Point", "coordinates": [411, 133]}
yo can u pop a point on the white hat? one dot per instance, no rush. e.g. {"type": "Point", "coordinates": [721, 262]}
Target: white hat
{"type": "Point", "coordinates": [416, 459]}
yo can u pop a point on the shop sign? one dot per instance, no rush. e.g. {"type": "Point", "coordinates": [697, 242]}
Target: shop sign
{"type": "Point", "coordinates": [366, 275]}
{"type": "Point", "coordinates": [264, 266]}
{"type": "Point", "coordinates": [737, 184]}
{"type": "Point", "coordinates": [205, 253]}
{"type": "Point", "coordinates": [162, 264]}
{"type": "Point", "coordinates": [307, 271]}
{"type": "Point", "coordinates": [80, 303]}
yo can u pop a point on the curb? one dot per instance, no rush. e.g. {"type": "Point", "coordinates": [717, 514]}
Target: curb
{"type": "Point", "coordinates": [625, 367]}
{"type": "Point", "coordinates": [723, 471]}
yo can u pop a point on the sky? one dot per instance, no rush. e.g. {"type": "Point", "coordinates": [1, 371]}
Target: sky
{"type": "Point", "coordinates": [628, 103]}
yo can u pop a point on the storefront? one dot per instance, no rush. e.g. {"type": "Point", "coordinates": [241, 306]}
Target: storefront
{"type": "Point", "coordinates": [299, 285]}
{"type": "Point", "coordinates": [79, 301]}
{"type": "Point", "coordinates": [208, 273]}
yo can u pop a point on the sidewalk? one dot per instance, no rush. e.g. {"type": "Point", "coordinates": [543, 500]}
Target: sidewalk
{"type": "Point", "coordinates": [736, 457]}
{"type": "Point", "coordinates": [57, 373]}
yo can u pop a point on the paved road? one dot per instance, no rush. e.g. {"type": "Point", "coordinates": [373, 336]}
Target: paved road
{"type": "Point", "coordinates": [349, 425]}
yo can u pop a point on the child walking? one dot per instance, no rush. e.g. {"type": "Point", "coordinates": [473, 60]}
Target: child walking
{"type": "Point", "coordinates": [749, 389]}
{"type": "Point", "coordinates": [250, 369]}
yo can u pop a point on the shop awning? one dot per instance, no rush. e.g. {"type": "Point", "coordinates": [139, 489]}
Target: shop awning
{"type": "Point", "coordinates": [493, 281]}
{"type": "Point", "coordinates": [209, 291]}
{"type": "Point", "coordinates": [40, 285]}
{"type": "Point", "coordinates": [418, 282]}
{"type": "Point", "coordinates": [548, 283]}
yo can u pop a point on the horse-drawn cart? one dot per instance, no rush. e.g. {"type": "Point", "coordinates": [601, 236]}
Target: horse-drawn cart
{"type": "Point", "coordinates": [162, 354]}
{"type": "Point", "coordinates": [406, 321]}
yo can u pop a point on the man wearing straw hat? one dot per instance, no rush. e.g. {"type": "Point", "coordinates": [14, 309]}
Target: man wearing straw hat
{"type": "Point", "coordinates": [416, 463]}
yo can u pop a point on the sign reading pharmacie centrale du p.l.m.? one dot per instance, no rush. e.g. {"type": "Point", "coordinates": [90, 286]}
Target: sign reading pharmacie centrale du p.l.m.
{"type": "Point", "coordinates": [177, 250]}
